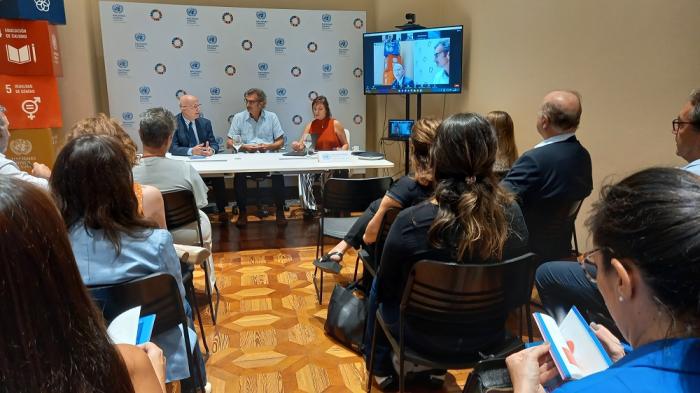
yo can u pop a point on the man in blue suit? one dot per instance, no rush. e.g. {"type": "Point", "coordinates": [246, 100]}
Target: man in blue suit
{"type": "Point", "coordinates": [400, 79]}
{"type": "Point", "coordinates": [195, 137]}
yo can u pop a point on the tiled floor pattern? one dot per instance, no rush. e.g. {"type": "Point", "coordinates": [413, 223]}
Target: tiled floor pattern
{"type": "Point", "coordinates": [269, 334]}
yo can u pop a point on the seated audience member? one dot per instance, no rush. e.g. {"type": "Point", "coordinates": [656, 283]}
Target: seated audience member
{"type": "Point", "coordinates": [112, 243]}
{"type": "Point", "coordinates": [648, 273]}
{"type": "Point", "coordinates": [686, 129]}
{"type": "Point", "coordinates": [554, 175]}
{"type": "Point", "coordinates": [9, 167]}
{"type": "Point", "coordinates": [195, 137]}
{"type": "Point", "coordinates": [562, 284]}
{"type": "Point", "coordinates": [328, 134]}
{"type": "Point", "coordinates": [407, 191]}
{"type": "Point", "coordinates": [53, 337]}
{"type": "Point", "coordinates": [156, 132]}
{"type": "Point", "coordinates": [470, 219]}
{"type": "Point", "coordinates": [260, 131]}
{"type": "Point", "coordinates": [507, 150]}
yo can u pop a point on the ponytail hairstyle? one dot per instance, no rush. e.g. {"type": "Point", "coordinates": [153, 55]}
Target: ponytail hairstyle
{"type": "Point", "coordinates": [652, 218]}
{"type": "Point", "coordinates": [471, 204]}
{"type": "Point", "coordinates": [422, 137]}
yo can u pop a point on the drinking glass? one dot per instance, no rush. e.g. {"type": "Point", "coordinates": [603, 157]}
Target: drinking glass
{"type": "Point", "coordinates": [237, 143]}
{"type": "Point", "coordinates": [307, 142]}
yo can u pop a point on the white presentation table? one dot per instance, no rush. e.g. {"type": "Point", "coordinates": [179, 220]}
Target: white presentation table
{"type": "Point", "coordinates": [227, 164]}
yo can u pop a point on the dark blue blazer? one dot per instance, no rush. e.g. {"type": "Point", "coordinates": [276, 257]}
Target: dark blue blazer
{"type": "Point", "coordinates": [547, 182]}
{"type": "Point", "coordinates": [407, 82]}
{"type": "Point", "coordinates": [181, 141]}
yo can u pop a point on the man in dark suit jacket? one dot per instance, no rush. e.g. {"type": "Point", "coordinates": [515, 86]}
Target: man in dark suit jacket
{"type": "Point", "coordinates": [400, 79]}
{"type": "Point", "coordinates": [194, 137]}
{"type": "Point", "coordinates": [552, 179]}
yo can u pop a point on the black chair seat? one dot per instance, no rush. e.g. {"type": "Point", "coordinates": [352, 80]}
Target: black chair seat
{"type": "Point", "coordinates": [337, 227]}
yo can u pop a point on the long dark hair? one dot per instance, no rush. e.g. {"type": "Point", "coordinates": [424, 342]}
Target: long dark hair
{"type": "Point", "coordinates": [652, 218]}
{"type": "Point", "coordinates": [92, 183]}
{"type": "Point", "coordinates": [422, 136]}
{"type": "Point", "coordinates": [472, 204]}
{"type": "Point", "coordinates": [53, 337]}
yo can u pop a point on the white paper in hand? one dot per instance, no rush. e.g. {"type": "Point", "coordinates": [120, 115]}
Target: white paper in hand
{"type": "Point", "coordinates": [124, 328]}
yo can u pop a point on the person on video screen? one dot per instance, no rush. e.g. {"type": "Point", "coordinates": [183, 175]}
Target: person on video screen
{"type": "Point", "coordinates": [442, 60]}
{"type": "Point", "coordinates": [400, 78]}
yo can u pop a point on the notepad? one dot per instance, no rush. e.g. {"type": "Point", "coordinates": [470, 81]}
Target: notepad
{"type": "Point", "coordinates": [574, 347]}
{"type": "Point", "coordinates": [130, 328]}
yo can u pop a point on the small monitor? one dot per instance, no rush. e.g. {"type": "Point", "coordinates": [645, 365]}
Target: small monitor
{"type": "Point", "coordinates": [400, 129]}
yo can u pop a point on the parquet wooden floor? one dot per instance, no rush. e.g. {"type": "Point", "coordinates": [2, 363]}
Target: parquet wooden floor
{"type": "Point", "coordinates": [269, 334]}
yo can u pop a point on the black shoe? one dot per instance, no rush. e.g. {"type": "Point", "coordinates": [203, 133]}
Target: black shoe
{"type": "Point", "coordinates": [390, 382]}
{"type": "Point", "coordinates": [328, 265]}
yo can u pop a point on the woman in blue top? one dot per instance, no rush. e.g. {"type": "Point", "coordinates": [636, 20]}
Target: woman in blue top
{"type": "Point", "coordinates": [93, 188]}
{"type": "Point", "coordinates": [646, 230]}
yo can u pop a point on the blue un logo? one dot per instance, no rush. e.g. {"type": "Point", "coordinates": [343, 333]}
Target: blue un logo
{"type": "Point", "coordinates": [144, 90]}
{"type": "Point", "coordinates": [140, 37]}
{"type": "Point", "coordinates": [343, 92]}
{"type": "Point", "coordinates": [194, 65]}
{"type": "Point", "coordinates": [281, 92]}
{"type": "Point", "coordinates": [122, 63]}
{"type": "Point", "coordinates": [191, 12]}
{"type": "Point", "coordinates": [326, 18]}
{"type": "Point", "coordinates": [327, 68]}
{"type": "Point", "coordinates": [262, 67]}
{"type": "Point", "coordinates": [343, 44]}
{"type": "Point", "coordinates": [127, 116]}
{"type": "Point", "coordinates": [215, 91]}
{"type": "Point", "coordinates": [261, 15]}
{"type": "Point", "coordinates": [117, 8]}
{"type": "Point", "coordinates": [212, 39]}
{"type": "Point", "coordinates": [279, 42]}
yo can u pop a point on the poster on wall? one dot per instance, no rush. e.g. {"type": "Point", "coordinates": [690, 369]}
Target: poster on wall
{"type": "Point", "coordinates": [154, 53]}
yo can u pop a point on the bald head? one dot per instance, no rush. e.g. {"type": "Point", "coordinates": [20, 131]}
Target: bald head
{"type": "Point", "coordinates": [189, 106]}
{"type": "Point", "coordinates": [560, 112]}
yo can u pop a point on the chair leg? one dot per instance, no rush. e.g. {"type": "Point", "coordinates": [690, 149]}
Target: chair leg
{"type": "Point", "coordinates": [357, 264]}
{"type": "Point", "coordinates": [402, 378]}
{"type": "Point", "coordinates": [190, 289]}
{"type": "Point", "coordinates": [207, 287]}
{"type": "Point", "coordinates": [528, 313]}
{"type": "Point", "coordinates": [370, 372]}
{"type": "Point", "coordinates": [320, 291]}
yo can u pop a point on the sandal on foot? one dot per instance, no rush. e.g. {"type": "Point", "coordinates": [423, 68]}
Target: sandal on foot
{"type": "Point", "coordinates": [328, 265]}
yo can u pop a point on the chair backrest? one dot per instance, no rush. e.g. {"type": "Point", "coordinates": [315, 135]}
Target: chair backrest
{"type": "Point", "coordinates": [465, 293]}
{"type": "Point", "coordinates": [550, 226]}
{"type": "Point", "coordinates": [353, 195]}
{"type": "Point", "coordinates": [384, 227]}
{"type": "Point", "coordinates": [156, 293]}
{"type": "Point", "coordinates": [347, 136]}
{"type": "Point", "coordinates": [180, 210]}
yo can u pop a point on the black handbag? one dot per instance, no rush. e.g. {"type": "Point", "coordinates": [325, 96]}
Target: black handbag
{"type": "Point", "coordinates": [489, 376]}
{"type": "Point", "coordinates": [347, 313]}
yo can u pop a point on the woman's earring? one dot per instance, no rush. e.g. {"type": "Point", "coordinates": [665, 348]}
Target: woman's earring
{"type": "Point", "coordinates": [621, 299]}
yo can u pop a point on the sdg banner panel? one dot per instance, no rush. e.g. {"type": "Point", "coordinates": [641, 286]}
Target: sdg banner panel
{"type": "Point", "coordinates": [50, 10]}
{"type": "Point", "coordinates": [29, 48]}
{"type": "Point", "coordinates": [31, 101]}
{"type": "Point", "coordinates": [156, 52]}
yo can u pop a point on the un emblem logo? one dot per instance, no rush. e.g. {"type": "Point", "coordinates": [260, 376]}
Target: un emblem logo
{"type": "Point", "coordinates": [343, 92]}
{"type": "Point", "coordinates": [21, 146]}
{"type": "Point", "coordinates": [42, 5]}
{"type": "Point", "coordinates": [194, 65]}
{"type": "Point", "coordinates": [191, 12]}
{"type": "Point", "coordinates": [122, 63]}
{"type": "Point", "coordinates": [326, 18]}
{"type": "Point", "coordinates": [279, 42]}
{"type": "Point", "coordinates": [261, 15]}
{"type": "Point", "coordinates": [212, 39]}
{"type": "Point", "coordinates": [127, 116]}
{"type": "Point", "coordinates": [144, 90]}
{"type": "Point", "coordinates": [117, 8]}
{"type": "Point", "coordinates": [263, 67]}
{"type": "Point", "coordinates": [327, 68]}
{"type": "Point", "coordinates": [140, 37]}
{"type": "Point", "coordinates": [281, 92]}
{"type": "Point", "coordinates": [343, 44]}
{"type": "Point", "coordinates": [215, 91]}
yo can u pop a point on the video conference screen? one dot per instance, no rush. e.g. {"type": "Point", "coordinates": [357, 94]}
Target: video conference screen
{"type": "Point", "coordinates": [413, 61]}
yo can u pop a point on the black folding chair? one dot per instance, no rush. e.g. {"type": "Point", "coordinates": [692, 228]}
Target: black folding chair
{"type": "Point", "coordinates": [344, 195]}
{"type": "Point", "coordinates": [459, 297]}
{"type": "Point", "coordinates": [181, 210]}
{"type": "Point", "coordinates": [157, 294]}
{"type": "Point", "coordinates": [551, 225]}
{"type": "Point", "coordinates": [370, 260]}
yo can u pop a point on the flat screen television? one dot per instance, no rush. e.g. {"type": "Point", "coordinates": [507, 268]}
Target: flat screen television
{"type": "Point", "coordinates": [413, 61]}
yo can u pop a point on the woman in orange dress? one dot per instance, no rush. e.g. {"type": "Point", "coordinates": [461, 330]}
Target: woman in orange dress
{"type": "Point", "coordinates": [327, 134]}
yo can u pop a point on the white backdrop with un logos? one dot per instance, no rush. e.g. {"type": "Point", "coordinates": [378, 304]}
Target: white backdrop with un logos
{"type": "Point", "coordinates": [155, 52]}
